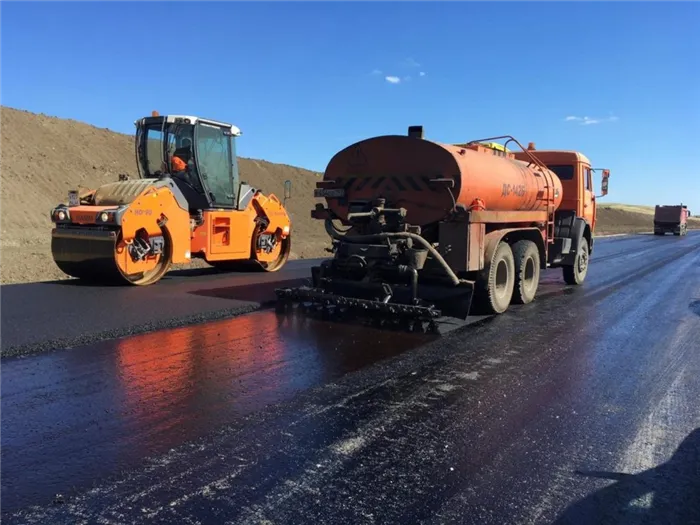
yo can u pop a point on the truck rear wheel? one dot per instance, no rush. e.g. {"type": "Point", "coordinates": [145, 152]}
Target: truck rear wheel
{"type": "Point", "coordinates": [495, 292]}
{"type": "Point", "coordinates": [527, 271]}
{"type": "Point", "coordinates": [576, 273]}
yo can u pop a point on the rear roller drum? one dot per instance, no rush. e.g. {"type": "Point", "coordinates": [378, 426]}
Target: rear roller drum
{"type": "Point", "coordinates": [276, 259]}
{"type": "Point", "coordinates": [263, 262]}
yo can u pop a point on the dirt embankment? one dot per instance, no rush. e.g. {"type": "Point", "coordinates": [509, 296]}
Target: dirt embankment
{"type": "Point", "coordinates": [42, 158]}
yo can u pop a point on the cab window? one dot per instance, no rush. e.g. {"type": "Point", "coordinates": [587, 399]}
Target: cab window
{"type": "Point", "coordinates": [563, 171]}
{"type": "Point", "coordinates": [213, 158]}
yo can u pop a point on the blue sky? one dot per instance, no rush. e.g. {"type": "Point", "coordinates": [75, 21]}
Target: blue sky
{"type": "Point", "coordinates": [303, 80]}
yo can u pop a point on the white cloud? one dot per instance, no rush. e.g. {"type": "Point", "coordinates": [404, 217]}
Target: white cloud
{"type": "Point", "coordinates": [409, 62]}
{"type": "Point", "coordinates": [397, 79]}
{"type": "Point", "coordinates": [587, 121]}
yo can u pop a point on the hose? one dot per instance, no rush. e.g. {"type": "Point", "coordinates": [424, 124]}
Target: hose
{"type": "Point", "coordinates": [396, 235]}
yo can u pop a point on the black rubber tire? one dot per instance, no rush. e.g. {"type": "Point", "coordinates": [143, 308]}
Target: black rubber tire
{"type": "Point", "coordinates": [527, 271]}
{"type": "Point", "coordinates": [495, 290]}
{"type": "Point", "coordinates": [576, 273]}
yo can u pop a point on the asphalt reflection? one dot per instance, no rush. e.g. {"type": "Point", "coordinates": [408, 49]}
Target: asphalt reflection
{"type": "Point", "coordinates": [74, 416]}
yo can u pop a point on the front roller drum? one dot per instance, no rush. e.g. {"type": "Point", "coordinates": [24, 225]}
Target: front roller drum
{"type": "Point", "coordinates": [101, 257]}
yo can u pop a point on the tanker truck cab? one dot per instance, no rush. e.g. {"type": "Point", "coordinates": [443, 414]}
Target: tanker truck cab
{"type": "Point", "coordinates": [575, 218]}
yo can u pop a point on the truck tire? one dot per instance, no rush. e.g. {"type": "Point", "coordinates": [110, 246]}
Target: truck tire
{"type": "Point", "coordinates": [576, 273]}
{"type": "Point", "coordinates": [496, 290]}
{"type": "Point", "coordinates": [527, 271]}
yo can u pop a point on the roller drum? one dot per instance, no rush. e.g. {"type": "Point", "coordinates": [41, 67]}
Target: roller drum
{"type": "Point", "coordinates": [91, 255]}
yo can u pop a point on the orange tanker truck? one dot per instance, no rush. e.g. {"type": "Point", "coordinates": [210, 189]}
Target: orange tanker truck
{"type": "Point", "coordinates": [188, 202]}
{"type": "Point", "coordinates": [422, 230]}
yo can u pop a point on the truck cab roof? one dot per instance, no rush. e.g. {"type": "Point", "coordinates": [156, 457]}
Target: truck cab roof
{"type": "Point", "coordinates": [555, 156]}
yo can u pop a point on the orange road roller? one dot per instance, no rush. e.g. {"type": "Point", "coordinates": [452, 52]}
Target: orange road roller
{"type": "Point", "coordinates": [188, 201]}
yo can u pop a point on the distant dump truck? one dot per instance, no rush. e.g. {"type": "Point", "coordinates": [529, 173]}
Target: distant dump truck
{"type": "Point", "coordinates": [673, 218]}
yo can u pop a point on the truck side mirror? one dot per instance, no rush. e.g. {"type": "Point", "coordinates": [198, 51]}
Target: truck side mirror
{"type": "Point", "coordinates": [604, 182]}
{"type": "Point", "coordinates": [287, 190]}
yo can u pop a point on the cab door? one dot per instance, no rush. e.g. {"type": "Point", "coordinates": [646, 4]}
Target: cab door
{"type": "Point", "coordinates": [589, 211]}
{"type": "Point", "coordinates": [213, 156]}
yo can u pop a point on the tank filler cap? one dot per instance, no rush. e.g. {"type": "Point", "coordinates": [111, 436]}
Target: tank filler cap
{"type": "Point", "coordinates": [415, 132]}
{"type": "Point", "coordinates": [531, 146]}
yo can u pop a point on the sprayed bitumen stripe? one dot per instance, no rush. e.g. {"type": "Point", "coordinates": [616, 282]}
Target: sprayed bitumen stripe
{"type": "Point", "coordinates": [260, 295]}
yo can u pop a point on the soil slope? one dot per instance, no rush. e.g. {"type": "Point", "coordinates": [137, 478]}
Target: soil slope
{"type": "Point", "coordinates": [42, 158]}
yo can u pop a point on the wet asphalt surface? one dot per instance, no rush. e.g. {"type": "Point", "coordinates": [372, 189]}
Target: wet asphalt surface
{"type": "Point", "coordinates": [42, 316]}
{"type": "Point", "coordinates": [579, 408]}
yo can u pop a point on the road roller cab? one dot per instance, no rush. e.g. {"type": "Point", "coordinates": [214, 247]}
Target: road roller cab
{"type": "Point", "coordinates": [188, 201]}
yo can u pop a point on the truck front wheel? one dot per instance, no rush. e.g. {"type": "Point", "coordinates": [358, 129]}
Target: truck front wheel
{"type": "Point", "coordinates": [527, 271]}
{"type": "Point", "coordinates": [576, 273]}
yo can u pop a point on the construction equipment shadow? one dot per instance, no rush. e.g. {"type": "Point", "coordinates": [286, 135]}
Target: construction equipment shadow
{"type": "Point", "coordinates": [670, 492]}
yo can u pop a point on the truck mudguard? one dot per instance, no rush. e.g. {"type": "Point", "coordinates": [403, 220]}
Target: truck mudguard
{"type": "Point", "coordinates": [579, 229]}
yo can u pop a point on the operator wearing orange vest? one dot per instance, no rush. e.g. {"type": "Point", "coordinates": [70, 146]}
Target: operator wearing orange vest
{"type": "Point", "coordinates": [178, 164]}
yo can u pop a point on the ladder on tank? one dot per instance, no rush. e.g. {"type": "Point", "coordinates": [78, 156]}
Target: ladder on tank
{"type": "Point", "coordinates": [548, 184]}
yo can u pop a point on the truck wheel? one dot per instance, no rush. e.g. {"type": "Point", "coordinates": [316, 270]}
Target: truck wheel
{"type": "Point", "coordinates": [576, 273]}
{"type": "Point", "coordinates": [527, 271]}
{"type": "Point", "coordinates": [496, 291]}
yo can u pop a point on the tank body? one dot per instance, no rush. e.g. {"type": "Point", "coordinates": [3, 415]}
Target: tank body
{"type": "Point", "coordinates": [400, 168]}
